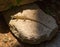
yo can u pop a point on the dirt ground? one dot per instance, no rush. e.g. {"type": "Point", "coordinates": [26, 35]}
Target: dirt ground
{"type": "Point", "coordinates": [7, 39]}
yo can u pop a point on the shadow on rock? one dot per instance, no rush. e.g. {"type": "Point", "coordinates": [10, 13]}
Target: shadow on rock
{"type": "Point", "coordinates": [3, 26]}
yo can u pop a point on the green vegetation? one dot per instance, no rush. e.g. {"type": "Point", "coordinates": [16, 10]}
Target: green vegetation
{"type": "Point", "coordinates": [18, 1]}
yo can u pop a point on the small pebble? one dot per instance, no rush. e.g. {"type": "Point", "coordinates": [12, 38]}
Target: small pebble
{"type": "Point", "coordinates": [6, 35]}
{"type": "Point", "coordinates": [5, 40]}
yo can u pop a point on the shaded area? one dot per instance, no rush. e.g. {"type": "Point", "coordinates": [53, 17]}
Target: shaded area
{"type": "Point", "coordinates": [3, 26]}
{"type": "Point", "coordinates": [51, 7]}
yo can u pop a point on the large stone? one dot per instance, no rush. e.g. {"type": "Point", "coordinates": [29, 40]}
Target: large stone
{"type": "Point", "coordinates": [6, 4]}
{"type": "Point", "coordinates": [30, 24]}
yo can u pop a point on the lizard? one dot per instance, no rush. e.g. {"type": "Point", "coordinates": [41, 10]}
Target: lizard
{"type": "Point", "coordinates": [26, 18]}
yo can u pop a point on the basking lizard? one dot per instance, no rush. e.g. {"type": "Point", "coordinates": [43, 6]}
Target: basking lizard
{"type": "Point", "coordinates": [23, 18]}
{"type": "Point", "coordinates": [26, 18]}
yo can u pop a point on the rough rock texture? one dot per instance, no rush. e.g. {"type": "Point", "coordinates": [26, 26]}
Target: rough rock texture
{"type": "Point", "coordinates": [6, 4]}
{"type": "Point", "coordinates": [30, 24]}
